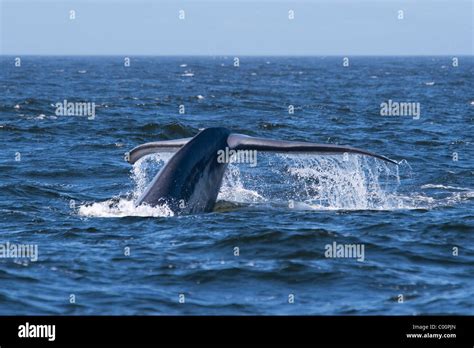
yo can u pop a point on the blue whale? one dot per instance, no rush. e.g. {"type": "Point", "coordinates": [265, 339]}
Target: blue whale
{"type": "Point", "coordinates": [190, 181]}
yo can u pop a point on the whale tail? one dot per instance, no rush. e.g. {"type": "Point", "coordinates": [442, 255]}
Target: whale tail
{"type": "Point", "coordinates": [244, 142]}
{"type": "Point", "coordinates": [190, 181]}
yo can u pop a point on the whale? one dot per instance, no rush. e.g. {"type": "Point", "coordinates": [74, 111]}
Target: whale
{"type": "Point", "coordinates": [190, 181]}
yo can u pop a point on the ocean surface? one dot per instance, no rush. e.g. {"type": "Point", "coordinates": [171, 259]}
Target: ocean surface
{"type": "Point", "coordinates": [66, 188]}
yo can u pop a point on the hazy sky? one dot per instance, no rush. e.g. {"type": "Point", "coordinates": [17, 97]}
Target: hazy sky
{"type": "Point", "coordinates": [237, 27]}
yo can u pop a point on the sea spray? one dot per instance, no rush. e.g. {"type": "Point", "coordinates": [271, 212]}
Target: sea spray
{"type": "Point", "coordinates": [298, 181]}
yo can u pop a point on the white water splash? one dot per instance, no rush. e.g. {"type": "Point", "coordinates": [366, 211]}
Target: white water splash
{"type": "Point", "coordinates": [335, 182]}
{"type": "Point", "coordinates": [145, 169]}
{"type": "Point", "coordinates": [233, 190]}
{"type": "Point", "coordinates": [361, 183]}
{"type": "Point", "coordinates": [142, 172]}
{"type": "Point", "coordinates": [123, 208]}
{"type": "Point", "coordinates": [310, 182]}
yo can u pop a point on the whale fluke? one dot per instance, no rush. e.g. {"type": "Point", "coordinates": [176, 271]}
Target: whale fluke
{"type": "Point", "coordinates": [244, 142]}
{"type": "Point", "coordinates": [154, 147]}
{"type": "Point", "coordinates": [190, 181]}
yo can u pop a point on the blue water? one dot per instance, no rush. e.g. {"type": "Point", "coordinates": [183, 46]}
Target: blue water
{"type": "Point", "coordinates": [71, 193]}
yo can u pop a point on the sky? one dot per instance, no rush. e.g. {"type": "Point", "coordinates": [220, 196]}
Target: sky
{"type": "Point", "coordinates": [236, 27]}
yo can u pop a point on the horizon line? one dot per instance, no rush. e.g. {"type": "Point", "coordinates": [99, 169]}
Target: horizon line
{"type": "Point", "coordinates": [236, 55]}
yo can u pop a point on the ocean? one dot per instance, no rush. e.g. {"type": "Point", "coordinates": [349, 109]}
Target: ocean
{"type": "Point", "coordinates": [267, 248]}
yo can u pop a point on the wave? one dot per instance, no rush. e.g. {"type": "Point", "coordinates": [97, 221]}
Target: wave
{"type": "Point", "coordinates": [444, 187]}
{"type": "Point", "coordinates": [168, 131]}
